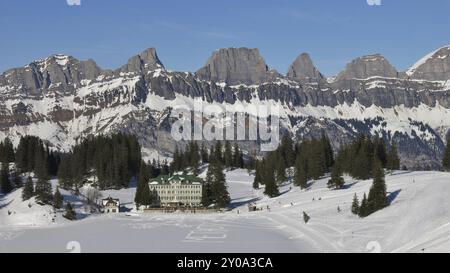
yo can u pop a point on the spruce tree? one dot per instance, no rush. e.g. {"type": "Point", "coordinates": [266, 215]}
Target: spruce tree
{"type": "Point", "coordinates": [204, 154]}
{"type": "Point", "coordinates": [336, 181]}
{"type": "Point", "coordinates": [237, 156]}
{"type": "Point", "coordinates": [57, 199]}
{"type": "Point", "coordinates": [377, 198]}
{"type": "Point", "coordinates": [355, 205]}
{"type": "Point", "coordinates": [258, 176]}
{"type": "Point", "coordinates": [228, 155]}
{"type": "Point", "coordinates": [219, 187]}
{"type": "Point", "coordinates": [300, 176]}
{"type": "Point", "coordinates": [5, 182]}
{"type": "Point", "coordinates": [393, 160]}
{"type": "Point", "coordinates": [218, 152]}
{"type": "Point", "coordinates": [70, 213]}
{"type": "Point", "coordinates": [7, 151]}
{"type": "Point", "coordinates": [446, 159]}
{"type": "Point", "coordinates": [143, 196]}
{"type": "Point", "coordinates": [280, 169]}
{"type": "Point", "coordinates": [364, 209]}
{"type": "Point", "coordinates": [28, 189]}
{"type": "Point", "coordinates": [43, 191]}
{"type": "Point", "coordinates": [328, 152]}
{"type": "Point", "coordinates": [207, 194]}
{"type": "Point", "coordinates": [316, 160]}
{"type": "Point", "coordinates": [271, 187]}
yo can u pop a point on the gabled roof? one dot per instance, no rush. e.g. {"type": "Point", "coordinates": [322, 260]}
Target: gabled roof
{"type": "Point", "coordinates": [184, 179]}
{"type": "Point", "coordinates": [110, 200]}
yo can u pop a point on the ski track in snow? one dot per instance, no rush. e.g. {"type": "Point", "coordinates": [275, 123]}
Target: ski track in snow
{"type": "Point", "coordinates": [417, 220]}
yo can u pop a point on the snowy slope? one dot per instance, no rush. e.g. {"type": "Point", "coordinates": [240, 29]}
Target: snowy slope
{"type": "Point", "coordinates": [418, 220]}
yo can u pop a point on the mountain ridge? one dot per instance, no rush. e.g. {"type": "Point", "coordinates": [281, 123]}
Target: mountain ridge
{"type": "Point", "coordinates": [62, 99]}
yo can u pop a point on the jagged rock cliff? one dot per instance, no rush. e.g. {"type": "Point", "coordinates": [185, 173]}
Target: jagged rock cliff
{"type": "Point", "coordinates": [62, 99]}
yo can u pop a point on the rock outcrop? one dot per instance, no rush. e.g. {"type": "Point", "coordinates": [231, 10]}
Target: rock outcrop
{"type": "Point", "coordinates": [366, 67]}
{"type": "Point", "coordinates": [236, 66]}
{"type": "Point", "coordinates": [303, 69]}
{"type": "Point", "coordinates": [433, 67]}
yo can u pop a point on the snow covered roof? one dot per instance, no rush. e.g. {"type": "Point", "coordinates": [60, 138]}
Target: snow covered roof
{"type": "Point", "coordinates": [183, 179]}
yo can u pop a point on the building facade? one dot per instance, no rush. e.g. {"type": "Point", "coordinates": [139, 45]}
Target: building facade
{"type": "Point", "coordinates": [111, 205]}
{"type": "Point", "coordinates": [177, 190]}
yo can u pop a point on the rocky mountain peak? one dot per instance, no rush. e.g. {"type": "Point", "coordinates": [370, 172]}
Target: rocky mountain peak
{"type": "Point", "coordinates": [368, 66]}
{"type": "Point", "coordinates": [433, 67]}
{"type": "Point", "coordinates": [146, 61]}
{"type": "Point", "coordinates": [236, 66]}
{"type": "Point", "coordinates": [303, 69]}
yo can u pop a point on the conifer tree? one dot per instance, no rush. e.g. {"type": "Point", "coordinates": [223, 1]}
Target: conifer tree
{"type": "Point", "coordinates": [43, 191]}
{"type": "Point", "coordinates": [28, 189]}
{"type": "Point", "coordinates": [377, 198]}
{"type": "Point", "coordinates": [446, 159]}
{"type": "Point", "coordinates": [207, 194]}
{"type": "Point", "coordinates": [393, 160]}
{"type": "Point", "coordinates": [7, 151]}
{"type": "Point", "coordinates": [300, 176]}
{"type": "Point", "coordinates": [380, 150]}
{"type": "Point", "coordinates": [5, 182]}
{"type": "Point", "coordinates": [364, 209]}
{"type": "Point", "coordinates": [58, 199]}
{"type": "Point", "coordinates": [280, 170]}
{"type": "Point", "coordinates": [214, 187]}
{"type": "Point", "coordinates": [355, 205]}
{"type": "Point", "coordinates": [228, 155]}
{"type": "Point", "coordinates": [258, 176]}
{"type": "Point", "coordinates": [204, 154]}
{"type": "Point", "coordinates": [237, 156]}
{"type": "Point", "coordinates": [219, 187]}
{"type": "Point", "coordinates": [194, 159]}
{"type": "Point", "coordinates": [143, 196]}
{"type": "Point", "coordinates": [336, 181]}
{"type": "Point", "coordinates": [271, 187]}
{"type": "Point", "coordinates": [70, 213]}
{"type": "Point", "coordinates": [328, 152]}
{"type": "Point", "coordinates": [287, 151]}
{"type": "Point", "coordinates": [316, 159]}
{"type": "Point", "coordinates": [218, 152]}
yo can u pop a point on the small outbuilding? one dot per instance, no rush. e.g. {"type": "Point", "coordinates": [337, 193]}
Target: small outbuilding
{"type": "Point", "coordinates": [111, 205]}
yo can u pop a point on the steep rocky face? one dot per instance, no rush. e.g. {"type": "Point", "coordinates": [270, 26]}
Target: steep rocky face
{"type": "Point", "coordinates": [146, 61]}
{"type": "Point", "coordinates": [433, 67]}
{"type": "Point", "coordinates": [61, 99]}
{"type": "Point", "coordinates": [368, 66]}
{"type": "Point", "coordinates": [236, 66]}
{"type": "Point", "coordinates": [303, 69]}
{"type": "Point", "coordinates": [55, 72]}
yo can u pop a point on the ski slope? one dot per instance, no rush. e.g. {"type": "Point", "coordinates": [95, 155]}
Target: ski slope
{"type": "Point", "coordinates": [418, 220]}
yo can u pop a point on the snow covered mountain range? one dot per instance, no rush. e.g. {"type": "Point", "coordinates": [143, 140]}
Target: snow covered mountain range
{"type": "Point", "coordinates": [62, 99]}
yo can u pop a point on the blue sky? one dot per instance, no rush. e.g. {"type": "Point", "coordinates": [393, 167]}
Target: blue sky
{"type": "Point", "coordinates": [186, 32]}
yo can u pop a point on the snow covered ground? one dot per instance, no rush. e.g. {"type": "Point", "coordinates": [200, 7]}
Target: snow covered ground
{"type": "Point", "coordinates": [418, 220]}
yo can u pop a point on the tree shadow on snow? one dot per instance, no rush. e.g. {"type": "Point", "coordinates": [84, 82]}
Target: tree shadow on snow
{"type": "Point", "coordinates": [348, 186]}
{"type": "Point", "coordinates": [234, 205]}
{"type": "Point", "coordinates": [393, 195]}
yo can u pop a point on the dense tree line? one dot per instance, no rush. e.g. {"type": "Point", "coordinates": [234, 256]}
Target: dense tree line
{"type": "Point", "coordinates": [358, 158]}
{"type": "Point", "coordinates": [113, 159]}
{"type": "Point", "coordinates": [314, 158]}
{"type": "Point", "coordinates": [311, 159]}
{"type": "Point", "coordinates": [193, 156]}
